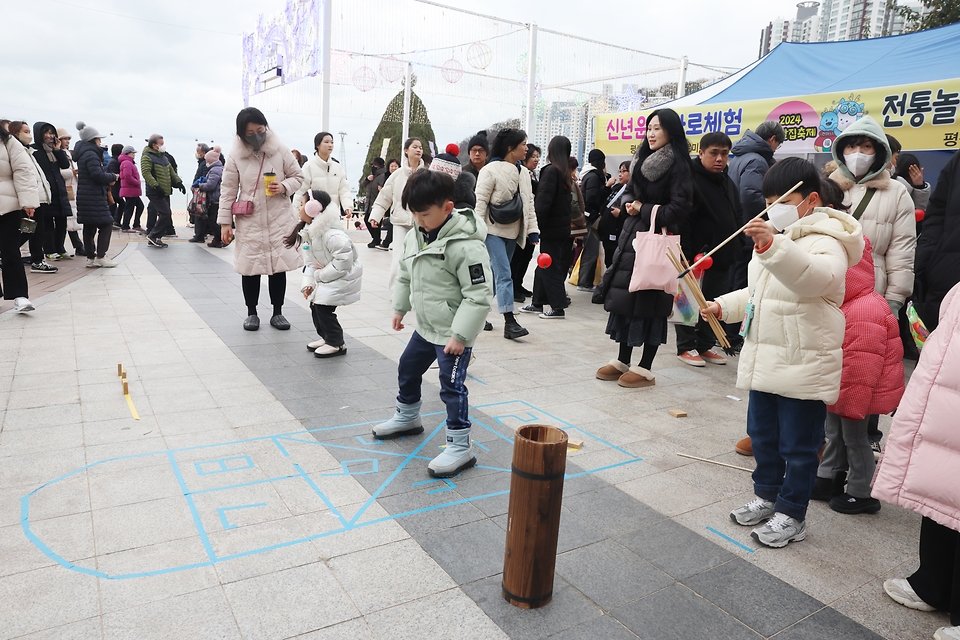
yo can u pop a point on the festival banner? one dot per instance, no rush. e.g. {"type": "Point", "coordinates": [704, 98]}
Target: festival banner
{"type": "Point", "coordinates": [921, 116]}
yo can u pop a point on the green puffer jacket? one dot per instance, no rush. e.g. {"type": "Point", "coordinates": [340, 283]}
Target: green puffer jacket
{"type": "Point", "coordinates": [448, 283]}
{"type": "Point", "coordinates": [157, 171]}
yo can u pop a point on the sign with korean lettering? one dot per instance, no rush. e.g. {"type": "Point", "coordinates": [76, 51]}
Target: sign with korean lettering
{"type": "Point", "coordinates": [921, 116]}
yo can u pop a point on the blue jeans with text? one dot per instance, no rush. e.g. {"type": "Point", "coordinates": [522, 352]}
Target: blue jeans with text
{"type": "Point", "coordinates": [417, 358]}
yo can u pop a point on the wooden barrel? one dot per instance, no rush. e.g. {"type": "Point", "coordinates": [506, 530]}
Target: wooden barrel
{"type": "Point", "coordinates": [533, 520]}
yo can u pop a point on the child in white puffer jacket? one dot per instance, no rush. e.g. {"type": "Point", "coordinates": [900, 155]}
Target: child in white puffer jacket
{"type": "Point", "coordinates": [332, 271]}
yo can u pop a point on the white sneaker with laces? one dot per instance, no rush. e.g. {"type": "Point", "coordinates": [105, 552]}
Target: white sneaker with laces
{"type": "Point", "coordinates": [900, 590]}
{"type": "Point", "coordinates": [779, 531]}
{"type": "Point", "coordinates": [105, 262]}
{"type": "Point", "coordinates": [947, 633]}
{"type": "Point", "coordinates": [92, 263]}
{"type": "Point", "coordinates": [22, 305]}
{"type": "Point", "coordinates": [753, 512]}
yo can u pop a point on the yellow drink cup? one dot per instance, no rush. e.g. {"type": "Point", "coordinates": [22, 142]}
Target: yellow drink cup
{"type": "Point", "coordinates": [268, 179]}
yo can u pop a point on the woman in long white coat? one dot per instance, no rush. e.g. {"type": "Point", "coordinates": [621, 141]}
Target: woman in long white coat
{"type": "Point", "coordinates": [322, 173]}
{"type": "Point", "coordinates": [389, 200]}
{"type": "Point", "coordinates": [19, 197]}
{"type": "Point", "coordinates": [260, 248]}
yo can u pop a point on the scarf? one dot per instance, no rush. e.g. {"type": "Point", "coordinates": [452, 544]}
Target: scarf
{"type": "Point", "coordinates": [656, 165]}
{"type": "Point", "coordinates": [49, 149]}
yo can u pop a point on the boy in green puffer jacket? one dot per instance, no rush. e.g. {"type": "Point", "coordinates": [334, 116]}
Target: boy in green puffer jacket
{"type": "Point", "coordinates": [445, 278]}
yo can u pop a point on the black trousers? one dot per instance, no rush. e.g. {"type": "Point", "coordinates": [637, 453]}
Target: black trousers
{"type": "Point", "coordinates": [588, 258]}
{"type": "Point", "coordinates": [548, 283]}
{"type": "Point", "coordinates": [387, 239]}
{"type": "Point", "coordinates": [129, 205]}
{"type": "Point", "coordinates": [14, 283]}
{"type": "Point", "coordinates": [937, 581]}
{"type": "Point", "coordinates": [374, 232]}
{"type": "Point", "coordinates": [701, 337]}
{"type": "Point", "coordinates": [328, 327]}
{"type": "Point", "coordinates": [54, 233]}
{"type": "Point", "coordinates": [100, 232]}
{"type": "Point", "coordinates": [164, 220]}
{"type": "Point", "coordinates": [609, 248]}
{"type": "Point", "coordinates": [276, 285]}
{"type": "Point", "coordinates": [519, 264]}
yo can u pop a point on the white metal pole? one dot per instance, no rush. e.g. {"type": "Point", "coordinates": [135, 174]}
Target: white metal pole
{"type": "Point", "coordinates": [682, 85]}
{"type": "Point", "coordinates": [407, 90]}
{"type": "Point", "coordinates": [531, 80]}
{"type": "Point", "coordinates": [326, 22]}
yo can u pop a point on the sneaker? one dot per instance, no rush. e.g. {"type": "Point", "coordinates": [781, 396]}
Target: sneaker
{"type": "Point", "coordinates": [553, 314]}
{"type": "Point", "coordinates": [22, 305]}
{"type": "Point", "coordinates": [712, 357]}
{"type": "Point", "coordinates": [139, 229]}
{"type": "Point", "coordinates": [583, 288]}
{"type": "Point", "coordinates": [42, 267]}
{"type": "Point", "coordinates": [691, 358]}
{"type": "Point", "coordinates": [128, 230]}
{"type": "Point", "coordinates": [52, 256]}
{"type": "Point", "coordinates": [947, 633]}
{"type": "Point", "coordinates": [875, 446]}
{"type": "Point", "coordinates": [105, 262]}
{"type": "Point", "coordinates": [488, 326]}
{"type": "Point", "coordinates": [531, 308]}
{"type": "Point", "coordinates": [826, 489]}
{"type": "Point", "coordinates": [156, 242]}
{"type": "Point", "coordinates": [65, 256]}
{"type": "Point", "coordinates": [753, 512]}
{"type": "Point", "coordinates": [846, 503]}
{"type": "Point", "coordinates": [900, 590]}
{"type": "Point", "coordinates": [779, 531]}
{"type": "Point", "coordinates": [195, 239]}
{"type": "Point", "coordinates": [382, 247]}
{"type": "Point", "coordinates": [372, 245]}
{"type": "Point", "coordinates": [169, 235]}
{"type": "Point", "coordinates": [92, 263]}
{"type": "Point", "coordinates": [116, 227]}
{"type": "Point", "coordinates": [190, 225]}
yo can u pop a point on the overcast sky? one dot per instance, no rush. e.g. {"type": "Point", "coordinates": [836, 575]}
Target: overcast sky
{"type": "Point", "coordinates": [173, 67]}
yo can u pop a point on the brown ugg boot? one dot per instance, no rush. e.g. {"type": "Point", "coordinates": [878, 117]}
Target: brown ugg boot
{"type": "Point", "coordinates": [612, 371]}
{"type": "Point", "coordinates": [637, 377]}
{"type": "Point", "coordinates": [744, 447]}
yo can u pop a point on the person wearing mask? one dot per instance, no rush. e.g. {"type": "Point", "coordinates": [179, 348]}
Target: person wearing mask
{"type": "Point", "coordinates": [716, 214]}
{"type": "Point", "coordinates": [595, 184]}
{"type": "Point", "coordinates": [553, 207]}
{"type": "Point", "coordinates": [522, 257]}
{"type": "Point", "coordinates": [884, 208]}
{"type": "Point", "coordinates": [209, 183]}
{"type": "Point", "coordinates": [323, 173]}
{"type": "Point", "coordinates": [70, 180]}
{"type": "Point", "coordinates": [19, 198]}
{"type": "Point", "coordinates": [130, 190]}
{"type": "Point", "coordinates": [21, 132]}
{"type": "Point", "coordinates": [93, 209]}
{"type": "Point", "coordinates": [161, 177]}
{"type": "Point", "coordinates": [909, 173]}
{"type": "Point", "coordinates": [199, 155]}
{"type": "Point", "coordinates": [658, 197]}
{"type": "Point", "coordinates": [478, 148]}
{"type": "Point", "coordinates": [113, 166]}
{"type": "Point", "coordinates": [374, 182]}
{"type": "Point", "coordinates": [390, 197]}
{"type": "Point", "coordinates": [52, 161]}
{"type": "Point", "coordinates": [752, 158]}
{"type": "Point", "coordinates": [501, 182]}
{"type": "Point", "coordinates": [611, 220]}
{"type": "Point", "coordinates": [261, 235]}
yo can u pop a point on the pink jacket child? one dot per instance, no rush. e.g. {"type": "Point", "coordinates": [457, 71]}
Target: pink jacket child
{"type": "Point", "coordinates": [129, 178]}
{"type": "Point", "coordinates": [872, 379]}
{"type": "Point", "coordinates": [919, 467]}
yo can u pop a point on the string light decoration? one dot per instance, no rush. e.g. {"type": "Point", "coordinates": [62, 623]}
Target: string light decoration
{"type": "Point", "coordinates": [391, 69]}
{"type": "Point", "coordinates": [365, 79]}
{"type": "Point", "coordinates": [287, 43]}
{"type": "Point", "coordinates": [479, 56]}
{"type": "Point", "coordinates": [630, 99]}
{"type": "Point", "coordinates": [452, 71]}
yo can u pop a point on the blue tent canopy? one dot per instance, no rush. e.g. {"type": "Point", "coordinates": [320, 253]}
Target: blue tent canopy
{"type": "Point", "coordinates": [828, 67]}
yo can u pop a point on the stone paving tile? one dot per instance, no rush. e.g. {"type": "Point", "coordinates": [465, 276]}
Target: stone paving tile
{"type": "Point", "coordinates": [677, 612]}
{"type": "Point", "coordinates": [602, 628]}
{"type": "Point", "coordinates": [449, 614]}
{"type": "Point", "coordinates": [45, 598]}
{"type": "Point", "coordinates": [201, 614]}
{"type": "Point", "coordinates": [675, 549]}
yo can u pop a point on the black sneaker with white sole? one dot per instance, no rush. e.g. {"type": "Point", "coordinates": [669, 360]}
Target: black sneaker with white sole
{"type": "Point", "coordinates": [531, 308]}
{"type": "Point", "coordinates": [553, 314]}
{"type": "Point", "coordinates": [156, 242]}
{"type": "Point", "coordinates": [42, 267]}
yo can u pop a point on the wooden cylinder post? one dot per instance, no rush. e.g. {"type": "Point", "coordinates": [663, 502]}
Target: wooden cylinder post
{"type": "Point", "coordinates": [533, 519]}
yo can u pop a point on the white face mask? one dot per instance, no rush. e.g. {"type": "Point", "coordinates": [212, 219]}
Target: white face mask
{"type": "Point", "coordinates": [783, 215]}
{"type": "Point", "coordinates": [162, 149]}
{"type": "Point", "coordinates": [859, 163]}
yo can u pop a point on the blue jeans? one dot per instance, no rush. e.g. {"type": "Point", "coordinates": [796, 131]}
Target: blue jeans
{"type": "Point", "coordinates": [786, 435]}
{"type": "Point", "coordinates": [417, 358]}
{"type": "Point", "coordinates": [501, 252]}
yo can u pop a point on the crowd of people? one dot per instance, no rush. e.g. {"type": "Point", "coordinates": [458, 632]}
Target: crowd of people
{"type": "Point", "coordinates": [813, 301]}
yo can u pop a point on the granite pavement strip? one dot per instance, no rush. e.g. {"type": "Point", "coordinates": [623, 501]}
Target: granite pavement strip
{"type": "Point", "coordinates": [636, 556]}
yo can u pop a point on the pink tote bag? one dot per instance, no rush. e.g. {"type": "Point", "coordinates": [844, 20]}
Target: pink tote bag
{"type": "Point", "coordinates": [652, 269]}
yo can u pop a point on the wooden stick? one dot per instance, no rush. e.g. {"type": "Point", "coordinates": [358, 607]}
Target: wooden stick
{"type": "Point", "coordinates": [722, 464]}
{"type": "Point", "coordinates": [699, 298]}
{"type": "Point", "coordinates": [740, 230]}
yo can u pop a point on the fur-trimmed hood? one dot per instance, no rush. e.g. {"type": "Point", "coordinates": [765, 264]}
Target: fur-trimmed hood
{"type": "Point", "coordinates": [327, 219]}
{"type": "Point", "coordinates": [270, 146]}
{"type": "Point", "coordinates": [865, 126]}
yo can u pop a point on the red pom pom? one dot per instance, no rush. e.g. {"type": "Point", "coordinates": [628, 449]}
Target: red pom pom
{"type": "Point", "coordinates": [920, 214]}
{"type": "Point", "coordinates": [544, 261]}
{"type": "Point", "coordinates": [706, 264]}
{"type": "Point", "coordinates": [453, 149]}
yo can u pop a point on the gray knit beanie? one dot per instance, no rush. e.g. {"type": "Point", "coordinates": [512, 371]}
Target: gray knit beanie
{"type": "Point", "coordinates": [87, 133]}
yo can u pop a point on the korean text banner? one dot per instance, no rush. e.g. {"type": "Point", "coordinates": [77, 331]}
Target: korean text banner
{"type": "Point", "coordinates": [921, 116]}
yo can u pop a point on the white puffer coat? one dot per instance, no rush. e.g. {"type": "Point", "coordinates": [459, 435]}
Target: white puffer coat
{"type": "Point", "coordinates": [389, 198]}
{"type": "Point", "coordinates": [889, 221]}
{"type": "Point", "coordinates": [260, 248]}
{"type": "Point", "coordinates": [794, 346]}
{"type": "Point", "coordinates": [497, 184]}
{"type": "Point", "coordinates": [331, 262]}
{"type": "Point", "coordinates": [70, 180]}
{"type": "Point", "coordinates": [326, 176]}
{"type": "Point", "coordinates": [18, 182]}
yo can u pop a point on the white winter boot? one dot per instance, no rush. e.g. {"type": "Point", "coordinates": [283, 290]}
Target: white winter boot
{"type": "Point", "coordinates": [405, 422]}
{"type": "Point", "coordinates": [456, 457]}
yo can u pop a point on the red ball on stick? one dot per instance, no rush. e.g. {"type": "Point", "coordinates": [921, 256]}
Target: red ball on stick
{"type": "Point", "coordinates": [544, 261]}
{"type": "Point", "coordinates": [706, 264]}
{"type": "Point", "coordinates": [920, 214]}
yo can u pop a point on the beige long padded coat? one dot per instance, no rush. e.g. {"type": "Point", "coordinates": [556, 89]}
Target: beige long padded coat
{"type": "Point", "coordinates": [259, 246]}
